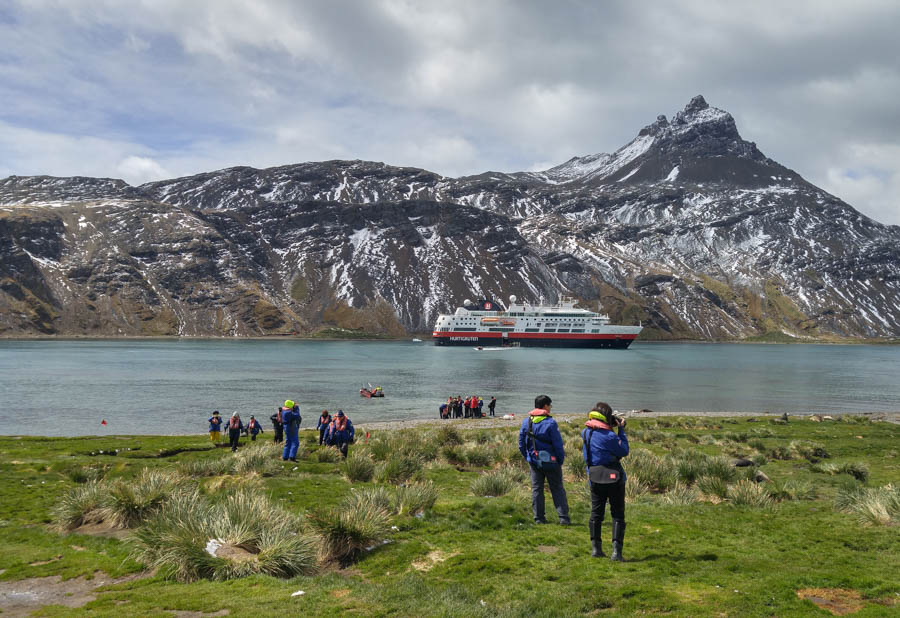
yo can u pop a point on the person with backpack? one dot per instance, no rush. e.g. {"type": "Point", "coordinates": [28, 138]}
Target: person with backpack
{"type": "Point", "coordinates": [322, 425]}
{"type": "Point", "coordinates": [603, 450]}
{"type": "Point", "coordinates": [215, 427]}
{"type": "Point", "coordinates": [542, 447]}
{"type": "Point", "coordinates": [278, 426]}
{"type": "Point", "coordinates": [253, 428]}
{"type": "Point", "coordinates": [341, 433]}
{"type": "Point", "coordinates": [290, 416]}
{"type": "Point", "coordinates": [235, 427]}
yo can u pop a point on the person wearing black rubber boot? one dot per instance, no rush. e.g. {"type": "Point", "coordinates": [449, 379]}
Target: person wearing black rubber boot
{"type": "Point", "coordinates": [603, 449]}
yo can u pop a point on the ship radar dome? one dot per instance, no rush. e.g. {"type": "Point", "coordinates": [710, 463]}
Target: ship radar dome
{"type": "Point", "coordinates": [467, 302]}
{"type": "Point", "coordinates": [513, 299]}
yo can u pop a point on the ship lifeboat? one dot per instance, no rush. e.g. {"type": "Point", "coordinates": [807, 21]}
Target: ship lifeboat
{"type": "Point", "coordinates": [507, 322]}
{"type": "Point", "coordinates": [489, 320]}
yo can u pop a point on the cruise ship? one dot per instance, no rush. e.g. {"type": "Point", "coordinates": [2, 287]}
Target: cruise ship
{"type": "Point", "coordinates": [487, 323]}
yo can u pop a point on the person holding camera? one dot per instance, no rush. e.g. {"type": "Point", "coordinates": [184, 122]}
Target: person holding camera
{"type": "Point", "coordinates": [542, 447]}
{"type": "Point", "coordinates": [603, 450]}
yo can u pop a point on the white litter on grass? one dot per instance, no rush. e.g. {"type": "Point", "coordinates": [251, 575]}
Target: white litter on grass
{"type": "Point", "coordinates": [483, 604]}
{"type": "Point", "coordinates": [213, 545]}
{"type": "Point", "coordinates": [394, 528]}
{"type": "Point", "coordinates": [384, 542]}
{"type": "Point", "coordinates": [294, 468]}
{"type": "Point", "coordinates": [299, 593]}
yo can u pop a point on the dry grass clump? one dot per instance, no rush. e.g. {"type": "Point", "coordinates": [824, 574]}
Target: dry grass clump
{"type": "Point", "coordinates": [714, 487]}
{"type": "Point", "coordinates": [497, 482]}
{"type": "Point", "coordinates": [79, 506]}
{"type": "Point", "coordinates": [196, 468]}
{"type": "Point", "coordinates": [875, 505]}
{"type": "Point", "coordinates": [455, 454]}
{"type": "Point", "coordinates": [328, 454]}
{"type": "Point", "coordinates": [415, 498]}
{"type": "Point", "coordinates": [191, 539]}
{"type": "Point", "coordinates": [806, 449]}
{"type": "Point", "coordinates": [346, 532]}
{"type": "Point", "coordinates": [635, 488]}
{"type": "Point", "coordinates": [792, 490]}
{"type": "Point", "coordinates": [448, 435]}
{"type": "Point", "coordinates": [87, 474]}
{"type": "Point", "coordinates": [399, 468]}
{"type": "Point", "coordinates": [681, 495]}
{"type": "Point", "coordinates": [358, 468]}
{"type": "Point", "coordinates": [479, 455]}
{"type": "Point", "coordinates": [128, 502]}
{"type": "Point", "coordinates": [747, 493]}
{"type": "Point", "coordinates": [857, 470]}
{"type": "Point", "coordinates": [261, 458]}
{"type": "Point", "coordinates": [653, 470]}
{"type": "Point", "coordinates": [363, 498]}
{"type": "Point", "coordinates": [576, 467]}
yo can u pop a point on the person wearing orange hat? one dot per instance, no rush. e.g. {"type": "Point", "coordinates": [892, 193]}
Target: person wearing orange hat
{"type": "Point", "coordinates": [603, 450]}
{"type": "Point", "coordinates": [290, 416]}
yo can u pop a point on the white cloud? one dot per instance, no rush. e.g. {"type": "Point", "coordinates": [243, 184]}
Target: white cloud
{"type": "Point", "coordinates": [138, 170]}
{"type": "Point", "coordinates": [460, 88]}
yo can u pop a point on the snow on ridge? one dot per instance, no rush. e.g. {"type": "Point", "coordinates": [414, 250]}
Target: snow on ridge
{"type": "Point", "coordinates": [673, 175]}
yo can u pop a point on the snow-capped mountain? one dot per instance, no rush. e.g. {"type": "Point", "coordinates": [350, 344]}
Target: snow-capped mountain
{"type": "Point", "coordinates": [687, 228]}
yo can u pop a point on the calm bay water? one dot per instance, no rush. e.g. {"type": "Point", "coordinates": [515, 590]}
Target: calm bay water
{"type": "Point", "coordinates": [170, 386]}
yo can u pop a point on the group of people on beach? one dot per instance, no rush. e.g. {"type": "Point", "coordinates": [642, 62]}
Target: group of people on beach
{"type": "Point", "coordinates": [470, 407]}
{"type": "Point", "coordinates": [336, 430]}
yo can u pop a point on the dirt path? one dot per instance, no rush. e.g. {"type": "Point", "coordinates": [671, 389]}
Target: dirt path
{"type": "Point", "coordinates": [20, 598]}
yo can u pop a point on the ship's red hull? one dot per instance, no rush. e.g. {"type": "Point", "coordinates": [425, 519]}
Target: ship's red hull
{"type": "Point", "coordinates": [536, 340]}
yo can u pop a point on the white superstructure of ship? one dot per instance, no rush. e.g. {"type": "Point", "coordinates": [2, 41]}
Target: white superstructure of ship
{"type": "Point", "coordinates": [487, 323]}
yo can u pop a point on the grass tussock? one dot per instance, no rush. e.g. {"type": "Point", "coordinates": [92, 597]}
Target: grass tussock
{"type": "Point", "coordinates": [87, 474]}
{"type": "Point", "coordinates": [197, 468]}
{"type": "Point", "coordinates": [857, 470]}
{"type": "Point", "coordinates": [872, 505]}
{"type": "Point", "coordinates": [328, 454]}
{"type": "Point", "coordinates": [358, 468]}
{"type": "Point", "coordinates": [415, 498]}
{"type": "Point", "coordinates": [79, 506]}
{"type": "Point", "coordinates": [192, 539]}
{"type": "Point", "coordinates": [497, 482]}
{"type": "Point", "coordinates": [260, 458]}
{"type": "Point", "coordinates": [681, 495]}
{"type": "Point", "coordinates": [747, 493]}
{"type": "Point", "coordinates": [398, 469]}
{"type": "Point", "coordinates": [128, 502]}
{"type": "Point", "coordinates": [346, 533]}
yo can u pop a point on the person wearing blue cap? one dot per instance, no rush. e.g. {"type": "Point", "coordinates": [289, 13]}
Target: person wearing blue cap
{"type": "Point", "coordinates": [290, 416]}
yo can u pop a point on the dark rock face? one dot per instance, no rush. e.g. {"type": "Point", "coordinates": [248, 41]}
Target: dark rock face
{"type": "Point", "coordinates": [688, 228]}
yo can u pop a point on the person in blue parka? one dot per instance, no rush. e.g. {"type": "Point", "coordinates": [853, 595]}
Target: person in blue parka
{"type": "Point", "coordinates": [253, 428]}
{"type": "Point", "coordinates": [603, 449]}
{"type": "Point", "coordinates": [542, 447]}
{"type": "Point", "coordinates": [340, 433]}
{"type": "Point", "coordinates": [290, 416]}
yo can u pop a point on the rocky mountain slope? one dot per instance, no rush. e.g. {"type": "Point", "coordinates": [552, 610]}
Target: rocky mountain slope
{"type": "Point", "coordinates": [688, 228]}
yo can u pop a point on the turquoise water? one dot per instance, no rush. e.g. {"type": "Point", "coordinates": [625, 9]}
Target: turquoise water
{"type": "Point", "coordinates": [171, 386]}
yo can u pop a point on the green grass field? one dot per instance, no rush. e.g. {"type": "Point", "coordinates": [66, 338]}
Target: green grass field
{"type": "Point", "coordinates": [696, 545]}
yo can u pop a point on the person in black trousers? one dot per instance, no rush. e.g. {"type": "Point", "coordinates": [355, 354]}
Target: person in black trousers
{"type": "Point", "coordinates": [492, 405]}
{"type": "Point", "coordinates": [278, 425]}
{"type": "Point", "coordinates": [603, 449]}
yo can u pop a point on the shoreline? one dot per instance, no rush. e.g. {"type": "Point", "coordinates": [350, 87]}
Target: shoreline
{"type": "Point", "coordinates": [499, 422]}
{"type": "Point", "coordinates": [424, 337]}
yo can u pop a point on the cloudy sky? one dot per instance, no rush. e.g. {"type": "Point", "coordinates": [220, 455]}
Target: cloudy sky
{"type": "Point", "coordinates": [151, 89]}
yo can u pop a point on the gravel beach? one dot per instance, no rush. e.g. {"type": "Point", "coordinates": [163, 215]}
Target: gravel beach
{"type": "Point", "coordinates": [480, 423]}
